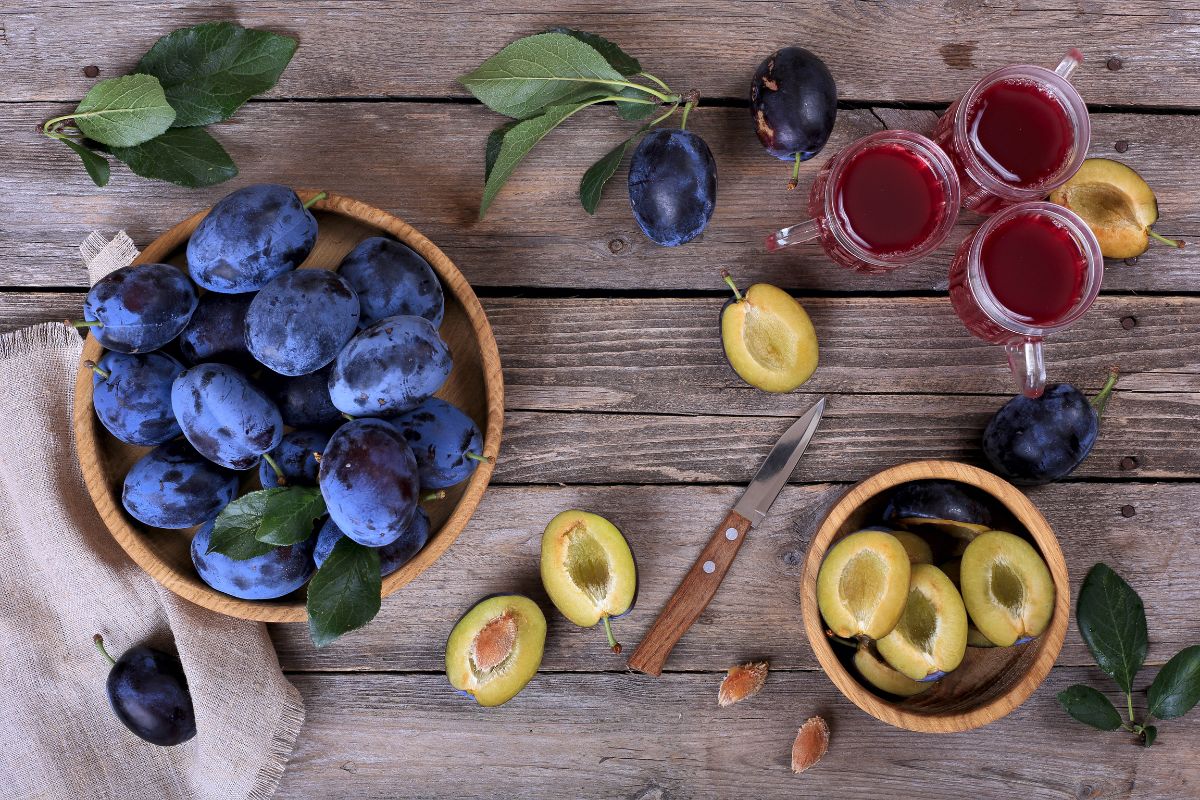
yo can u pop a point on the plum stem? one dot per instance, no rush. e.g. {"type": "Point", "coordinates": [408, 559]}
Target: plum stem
{"type": "Point", "coordinates": [612, 641]}
{"type": "Point", "coordinates": [89, 364]}
{"type": "Point", "coordinates": [1179, 243]}
{"type": "Point", "coordinates": [833, 637]}
{"type": "Point", "coordinates": [274, 465]}
{"type": "Point", "coordinates": [480, 458]}
{"type": "Point", "coordinates": [429, 497]}
{"type": "Point", "coordinates": [660, 118]}
{"type": "Point", "coordinates": [795, 181]}
{"type": "Point", "coordinates": [1100, 401]}
{"type": "Point", "coordinates": [316, 457]}
{"type": "Point", "coordinates": [347, 416]}
{"type": "Point", "coordinates": [316, 198]}
{"type": "Point", "coordinates": [83, 323]}
{"type": "Point", "coordinates": [692, 98]}
{"type": "Point", "coordinates": [98, 640]}
{"type": "Point", "coordinates": [729, 280]}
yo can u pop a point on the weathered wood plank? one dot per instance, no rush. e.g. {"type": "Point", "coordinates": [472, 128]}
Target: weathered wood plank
{"type": "Point", "coordinates": [916, 51]}
{"type": "Point", "coordinates": [757, 612]}
{"type": "Point", "coordinates": [425, 162]}
{"type": "Point", "coordinates": [632, 736]}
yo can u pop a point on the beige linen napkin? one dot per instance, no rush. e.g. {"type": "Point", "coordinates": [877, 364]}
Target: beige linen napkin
{"type": "Point", "coordinates": [64, 578]}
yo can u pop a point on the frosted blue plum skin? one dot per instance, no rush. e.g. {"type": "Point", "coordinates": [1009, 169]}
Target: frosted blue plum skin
{"type": "Point", "coordinates": [216, 331]}
{"type": "Point", "coordinates": [148, 692]}
{"type": "Point", "coordinates": [141, 307]}
{"type": "Point", "coordinates": [390, 367]}
{"type": "Point", "coordinates": [228, 419]}
{"type": "Point", "coordinates": [1037, 441]}
{"type": "Point", "coordinates": [440, 436]}
{"type": "Point", "coordinates": [303, 400]}
{"type": "Point", "coordinates": [134, 400]}
{"type": "Point", "coordinates": [279, 572]}
{"type": "Point", "coordinates": [391, 556]}
{"type": "Point", "coordinates": [300, 321]}
{"type": "Point", "coordinates": [294, 455]}
{"type": "Point", "coordinates": [251, 236]}
{"type": "Point", "coordinates": [368, 478]}
{"type": "Point", "coordinates": [173, 486]}
{"type": "Point", "coordinates": [672, 185]}
{"type": "Point", "coordinates": [392, 280]}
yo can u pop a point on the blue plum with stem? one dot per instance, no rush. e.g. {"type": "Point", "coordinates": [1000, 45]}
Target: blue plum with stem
{"type": "Point", "coordinates": [228, 419]}
{"type": "Point", "coordinates": [131, 393]}
{"type": "Point", "coordinates": [389, 368]}
{"type": "Point", "coordinates": [217, 331]}
{"type": "Point", "coordinates": [793, 102]}
{"type": "Point", "coordinates": [173, 486]}
{"type": "Point", "coordinates": [149, 693]}
{"type": "Point", "coordinates": [293, 462]}
{"type": "Point", "coordinates": [672, 185]}
{"type": "Point", "coordinates": [249, 237]}
{"type": "Point", "coordinates": [139, 308]}
{"type": "Point", "coordinates": [391, 556]}
{"type": "Point", "coordinates": [446, 442]}
{"type": "Point", "coordinates": [303, 400]}
{"type": "Point", "coordinates": [393, 279]}
{"type": "Point", "coordinates": [278, 572]}
{"type": "Point", "coordinates": [300, 321]}
{"type": "Point", "coordinates": [369, 480]}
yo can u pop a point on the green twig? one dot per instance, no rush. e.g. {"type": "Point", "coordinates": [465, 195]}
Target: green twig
{"type": "Point", "coordinates": [316, 198]}
{"type": "Point", "coordinates": [612, 642]}
{"type": "Point", "coordinates": [650, 77]}
{"type": "Point", "coordinates": [98, 640]}
{"type": "Point", "coordinates": [795, 181]}
{"type": "Point", "coordinates": [1100, 401]}
{"type": "Point", "coordinates": [729, 280]}
{"type": "Point", "coordinates": [1173, 242]}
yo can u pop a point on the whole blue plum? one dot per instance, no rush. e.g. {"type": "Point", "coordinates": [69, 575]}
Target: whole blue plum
{"type": "Point", "coordinates": [393, 279]}
{"type": "Point", "coordinates": [149, 693]}
{"type": "Point", "coordinates": [228, 419]}
{"type": "Point", "coordinates": [368, 478]}
{"type": "Point", "coordinates": [132, 396]}
{"type": "Point", "coordinates": [300, 321]}
{"type": "Point", "coordinates": [140, 307]}
{"type": "Point", "coordinates": [173, 486]}
{"type": "Point", "coordinates": [389, 368]}
{"type": "Point", "coordinates": [1033, 441]}
{"type": "Point", "coordinates": [295, 459]}
{"type": "Point", "coordinates": [249, 237]}
{"type": "Point", "coordinates": [303, 400]}
{"type": "Point", "coordinates": [280, 571]}
{"type": "Point", "coordinates": [446, 442]}
{"type": "Point", "coordinates": [217, 331]}
{"type": "Point", "coordinates": [793, 102]}
{"type": "Point", "coordinates": [672, 185]}
{"type": "Point", "coordinates": [391, 556]}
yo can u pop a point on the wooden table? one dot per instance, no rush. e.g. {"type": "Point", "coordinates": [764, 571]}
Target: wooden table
{"type": "Point", "coordinates": [620, 401]}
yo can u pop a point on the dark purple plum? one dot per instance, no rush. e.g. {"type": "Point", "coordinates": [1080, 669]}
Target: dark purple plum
{"type": "Point", "coordinates": [303, 400]}
{"type": "Point", "coordinates": [173, 486]}
{"type": "Point", "coordinates": [217, 331]}
{"type": "Point", "coordinates": [131, 393]}
{"type": "Point", "coordinates": [793, 101]}
{"type": "Point", "coordinates": [391, 556]}
{"type": "Point", "coordinates": [140, 307]}
{"type": "Point", "coordinates": [228, 419]}
{"type": "Point", "coordinates": [279, 571]}
{"type": "Point", "coordinates": [294, 457]}
{"type": "Point", "coordinates": [949, 506]}
{"type": "Point", "coordinates": [446, 442]}
{"type": "Point", "coordinates": [369, 480]}
{"type": "Point", "coordinates": [149, 693]}
{"type": "Point", "coordinates": [300, 321]}
{"type": "Point", "coordinates": [389, 368]}
{"type": "Point", "coordinates": [672, 185]}
{"type": "Point", "coordinates": [249, 237]}
{"type": "Point", "coordinates": [392, 280]}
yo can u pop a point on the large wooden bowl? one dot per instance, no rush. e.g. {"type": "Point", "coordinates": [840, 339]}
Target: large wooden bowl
{"type": "Point", "coordinates": [990, 682]}
{"type": "Point", "coordinates": [475, 385]}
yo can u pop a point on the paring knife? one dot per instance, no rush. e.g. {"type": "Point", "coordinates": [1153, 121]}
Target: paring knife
{"type": "Point", "coordinates": [704, 578]}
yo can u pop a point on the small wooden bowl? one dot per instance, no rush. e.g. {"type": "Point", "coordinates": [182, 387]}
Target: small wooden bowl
{"type": "Point", "coordinates": [475, 385]}
{"type": "Point", "coordinates": [990, 682]}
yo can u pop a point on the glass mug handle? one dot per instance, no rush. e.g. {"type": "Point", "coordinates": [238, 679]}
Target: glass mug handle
{"type": "Point", "coordinates": [1027, 364]}
{"type": "Point", "coordinates": [1070, 61]}
{"type": "Point", "coordinates": [799, 233]}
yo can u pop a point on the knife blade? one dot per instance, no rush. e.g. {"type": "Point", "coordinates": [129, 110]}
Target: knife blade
{"type": "Point", "coordinates": [700, 584]}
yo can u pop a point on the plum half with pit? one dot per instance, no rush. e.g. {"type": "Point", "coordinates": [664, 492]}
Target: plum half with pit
{"type": "Point", "coordinates": [793, 101]}
{"type": "Point", "coordinates": [496, 648]}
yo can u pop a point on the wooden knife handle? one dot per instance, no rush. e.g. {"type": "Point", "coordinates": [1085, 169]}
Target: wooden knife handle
{"type": "Point", "coordinates": [692, 596]}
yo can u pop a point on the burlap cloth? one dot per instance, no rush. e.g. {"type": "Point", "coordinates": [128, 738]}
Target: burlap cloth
{"type": "Point", "coordinates": [64, 578]}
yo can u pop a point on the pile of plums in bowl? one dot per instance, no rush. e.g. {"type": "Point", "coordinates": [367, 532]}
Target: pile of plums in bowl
{"type": "Point", "coordinates": [243, 372]}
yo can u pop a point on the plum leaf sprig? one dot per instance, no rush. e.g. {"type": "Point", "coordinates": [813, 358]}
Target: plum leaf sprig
{"type": "Point", "coordinates": [153, 120]}
{"type": "Point", "coordinates": [1112, 622]}
{"type": "Point", "coordinates": [543, 80]}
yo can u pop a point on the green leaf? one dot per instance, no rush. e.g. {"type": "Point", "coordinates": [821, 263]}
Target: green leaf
{"type": "Point", "coordinates": [598, 174]}
{"type": "Point", "coordinates": [491, 150]}
{"type": "Point", "coordinates": [210, 70]}
{"type": "Point", "coordinates": [1149, 734]}
{"type": "Point", "coordinates": [95, 164]}
{"type": "Point", "coordinates": [289, 515]}
{"type": "Point", "coordinates": [636, 111]}
{"type": "Point", "coordinates": [344, 594]}
{"type": "Point", "coordinates": [617, 58]}
{"type": "Point", "coordinates": [1176, 688]}
{"type": "Point", "coordinates": [1112, 621]}
{"type": "Point", "coordinates": [123, 112]}
{"type": "Point", "coordinates": [235, 532]}
{"type": "Point", "coordinates": [516, 142]}
{"type": "Point", "coordinates": [184, 156]}
{"type": "Point", "coordinates": [540, 71]}
{"type": "Point", "coordinates": [1089, 706]}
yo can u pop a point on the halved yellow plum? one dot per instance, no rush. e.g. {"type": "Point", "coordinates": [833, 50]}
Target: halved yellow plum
{"type": "Point", "coordinates": [931, 637]}
{"type": "Point", "coordinates": [769, 340]}
{"type": "Point", "coordinates": [496, 648]}
{"type": "Point", "coordinates": [974, 637]}
{"type": "Point", "coordinates": [1007, 588]}
{"type": "Point", "coordinates": [919, 551]}
{"type": "Point", "coordinates": [588, 570]}
{"type": "Point", "coordinates": [875, 671]}
{"type": "Point", "coordinates": [862, 584]}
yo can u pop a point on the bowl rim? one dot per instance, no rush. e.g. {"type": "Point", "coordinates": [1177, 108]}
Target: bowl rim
{"type": "Point", "coordinates": [107, 500]}
{"type": "Point", "coordinates": [1049, 643]}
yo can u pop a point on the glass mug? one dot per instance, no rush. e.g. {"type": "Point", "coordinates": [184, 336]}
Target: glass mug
{"type": "Point", "coordinates": [1026, 272]}
{"type": "Point", "coordinates": [1017, 134]}
{"type": "Point", "coordinates": [880, 203]}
